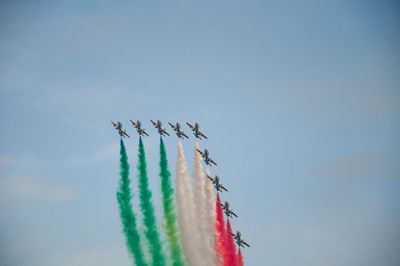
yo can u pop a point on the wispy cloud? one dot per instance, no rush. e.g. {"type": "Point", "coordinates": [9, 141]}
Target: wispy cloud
{"type": "Point", "coordinates": [85, 106]}
{"type": "Point", "coordinates": [104, 153]}
{"type": "Point", "coordinates": [99, 257]}
{"type": "Point", "coordinates": [352, 98]}
{"type": "Point", "coordinates": [22, 164]}
{"type": "Point", "coordinates": [360, 167]}
{"type": "Point", "coordinates": [29, 188]}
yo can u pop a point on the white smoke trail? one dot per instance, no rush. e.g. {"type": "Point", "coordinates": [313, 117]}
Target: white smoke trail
{"type": "Point", "coordinates": [202, 210]}
{"type": "Point", "coordinates": [186, 211]}
{"type": "Point", "coordinates": [198, 193]}
{"type": "Point", "coordinates": [209, 219]}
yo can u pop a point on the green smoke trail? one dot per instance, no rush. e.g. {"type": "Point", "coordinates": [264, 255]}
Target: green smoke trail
{"type": "Point", "coordinates": [146, 206]}
{"type": "Point", "coordinates": [128, 217]}
{"type": "Point", "coordinates": [169, 209]}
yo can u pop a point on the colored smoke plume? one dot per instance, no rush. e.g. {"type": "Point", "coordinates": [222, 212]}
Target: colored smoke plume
{"type": "Point", "coordinates": [220, 248]}
{"type": "Point", "coordinates": [169, 209]}
{"type": "Point", "coordinates": [230, 246]}
{"type": "Point", "coordinates": [128, 218]}
{"type": "Point", "coordinates": [146, 206]}
{"type": "Point", "coordinates": [240, 261]}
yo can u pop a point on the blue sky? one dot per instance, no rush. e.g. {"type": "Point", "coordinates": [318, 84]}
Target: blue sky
{"type": "Point", "coordinates": [300, 100]}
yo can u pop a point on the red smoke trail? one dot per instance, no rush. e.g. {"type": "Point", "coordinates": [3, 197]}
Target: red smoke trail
{"type": "Point", "coordinates": [240, 261]}
{"type": "Point", "coordinates": [220, 249]}
{"type": "Point", "coordinates": [230, 256]}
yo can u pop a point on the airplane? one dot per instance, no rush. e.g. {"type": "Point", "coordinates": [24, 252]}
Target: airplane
{"type": "Point", "coordinates": [158, 126]}
{"type": "Point", "coordinates": [178, 131]}
{"type": "Point", "coordinates": [228, 212]}
{"type": "Point", "coordinates": [138, 126]}
{"type": "Point", "coordinates": [121, 131]}
{"type": "Point", "coordinates": [206, 157]}
{"type": "Point", "coordinates": [117, 125]}
{"type": "Point", "coordinates": [239, 241]}
{"type": "Point", "coordinates": [196, 131]}
{"type": "Point", "coordinates": [216, 183]}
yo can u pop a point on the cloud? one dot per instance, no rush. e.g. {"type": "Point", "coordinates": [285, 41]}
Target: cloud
{"type": "Point", "coordinates": [360, 166]}
{"type": "Point", "coordinates": [339, 99]}
{"type": "Point", "coordinates": [103, 154]}
{"type": "Point", "coordinates": [29, 188]}
{"type": "Point", "coordinates": [98, 257]}
{"type": "Point", "coordinates": [22, 164]}
{"type": "Point", "coordinates": [89, 106]}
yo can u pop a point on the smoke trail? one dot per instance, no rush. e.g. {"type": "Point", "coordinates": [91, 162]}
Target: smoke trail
{"type": "Point", "coordinates": [199, 205]}
{"type": "Point", "coordinates": [209, 220]}
{"type": "Point", "coordinates": [127, 215]}
{"type": "Point", "coordinates": [240, 258]}
{"type": "Point", "coordinates": [169, 208]}
{"type": "Point", "coordinates": [147, 209]}
{"type": "Point", "coordinates": [230, 246]}
{"type": "Point", "coordinates": [185, 206]}
{"type": "Point", "coordinates": [220, 231]}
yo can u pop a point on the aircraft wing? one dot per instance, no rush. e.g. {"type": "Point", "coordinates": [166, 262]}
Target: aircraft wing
{"type": "Point", "coordinates": [234, 214]}
{"type": "Point", "coordinates": [189, 125]}
{"type": "Point", "coordinates": [221, 186]}
{"type": "Point", "coordinates": [145, 133]}
{"type": "Point", "coordinates": [154, 123]}
{"type": "Point", "coordinates": [211, 160]}
{"type": "Point", "coordinates": [211, 179]}
{"type": "Point", "coordinates": [173, 127]}
{"type": "Point", "coordinates": [183, 134]}
{"type": "Point", "coordinates": [245, 244]}
{"type": "Point", "coordinates": [201, 153]}
{"type": "Point", "coordinates": [124, 134]}
{"type": "Point", "coordinates": [202, 135]}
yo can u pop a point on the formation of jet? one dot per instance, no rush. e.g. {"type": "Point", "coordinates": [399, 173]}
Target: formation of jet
{"type": "Point", "coordinates": [204, 154]}
{"type": "Point", "coordinates": [138, 125]}
{"type": "Point", "coordinates": [163, 132]}
{"type": "Point", "coordinates": [227, 210]}
{"type": "Point", "coordinates": [121, 131]}
{"type": "Point", "coordinates": [239, 241]}
{"type": "Point", "coordinates": [158, 126]}
{"type": "Point", "coordinates": [217, 185]}
{"type": "Point", "coordinates": [178, 131]}
{"type": "Point", "coordinates": [207, 159]}
{"type": "Point", "coordinates": [196, 131]}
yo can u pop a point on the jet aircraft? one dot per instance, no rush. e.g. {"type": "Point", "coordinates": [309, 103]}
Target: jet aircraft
{"type": "Point", "coordinates": [158, 126]}
{"type": "Point", "coordinates": [206, 157]}
{"type": "Point", "coordinates": [178, 131]}
{"type": "Point", "coordinates": [227, 210]}
{"type": "Point", "coordinates": [117, 125]}
{"type": "Point", "coordinates": [239, 241]}
{"type": "Point", "coordinates": [217, 184]}
{"type": "Point", "coordinates": [139, 129]}
{"type": "Point", "coordinates": [196, 131]}
{"type": "Point", "coordinates": [121, 131]}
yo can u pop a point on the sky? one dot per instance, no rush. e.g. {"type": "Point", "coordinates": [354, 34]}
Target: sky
{"type": "Point", "coordinates": [300, 101]}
